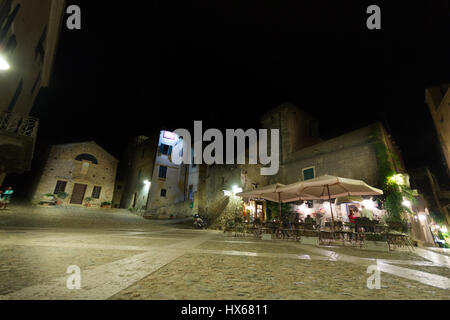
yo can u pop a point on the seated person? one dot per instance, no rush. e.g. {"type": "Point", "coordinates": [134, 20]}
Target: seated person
{"type": "Point", "coordinates": [366, 213]}
{"type": "Point", "coordinates": [352, 216]}
{"type": "Point", "coordinates": [308, 219]}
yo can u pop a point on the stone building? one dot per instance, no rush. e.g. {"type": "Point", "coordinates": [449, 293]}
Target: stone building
{"type": "Point", "coordinates": [135, 173]}
{"type": "Point", "coordinates": [303, 155]}
{"type": "Point", "coordinates": [82, 170]}
{"type": "Point", "coordinates": [438, 101]}
{"type": "Point", "coordinates": [29, 33]}
{"type": "Point", "coordinates": [151, 182]}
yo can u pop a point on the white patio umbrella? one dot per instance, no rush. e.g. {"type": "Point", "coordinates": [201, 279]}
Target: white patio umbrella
{"type": "Point", "coordinates": [272, 193]}
{"type": "Point", "coordinates": [327, 187]}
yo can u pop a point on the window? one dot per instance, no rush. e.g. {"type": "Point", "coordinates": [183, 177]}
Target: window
{"type": "Point", "coordinates": [9, 21]}
{"type": "Point", "coordinates": [308, 173]}
{"type": "Point", "coordinates": [11, 45]}
{"type": "Point", "coordinates": [139, 174]}
{"type": "Point", "coordinates": [163, 193]}
{"type": "Point", "coordinates": [14, 99]}
{"type": "Point", "coordinates": [162, 172]}
{"type": "Point", "coordinates": [191, 192]}
{"type": "Point", "coordinates": [87, 157]}
{"type": "Point", "coordinates": [60, 187]}
{"type": "Point", "coordinates": [39, 50]}
{"type": "Point", "coordinates": [36, 82]}
{"type": "Point", "coordinates": [165, 149]}
{"type": "Point", "coordinates": [96, 192]}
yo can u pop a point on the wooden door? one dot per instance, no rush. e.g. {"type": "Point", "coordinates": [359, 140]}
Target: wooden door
{"type": "Point", "coordinates": [78, 193]}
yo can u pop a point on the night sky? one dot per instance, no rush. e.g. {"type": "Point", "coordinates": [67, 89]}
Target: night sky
{"type": "Point", "coordinates": [133, 68]}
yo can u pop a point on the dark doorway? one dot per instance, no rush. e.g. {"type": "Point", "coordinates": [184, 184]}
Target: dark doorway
{"type": "Point", "coordinates": [78, 193]}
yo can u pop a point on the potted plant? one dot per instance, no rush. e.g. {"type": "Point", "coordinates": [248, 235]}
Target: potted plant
{"type": "Point", "coordinates": [87, 201]}
{"type": "Point", "coordinates": [228, 228]}
{"type": "Point", "coordinates": [376, 242]}
{"type": "Point", "coordinates": [106, 204]}
{"type": "Point", "coordinates": [48, 198]}
{"type": "Point", "coordinates": [60, 198]}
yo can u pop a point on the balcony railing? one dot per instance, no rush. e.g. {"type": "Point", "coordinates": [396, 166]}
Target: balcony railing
{"type": "Point", "coordinates": [18, 124]}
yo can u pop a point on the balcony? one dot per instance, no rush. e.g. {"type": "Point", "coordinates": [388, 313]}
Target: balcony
{"type": "Point", "coordinates": [19, 125]}
{"type": "Point", "coordinates": [17, 142]}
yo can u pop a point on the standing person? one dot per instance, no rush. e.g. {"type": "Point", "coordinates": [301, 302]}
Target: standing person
{"type": "Point", "coordinates": [7, 196]}
{"type": "Point", "coordinates": [2, 204]}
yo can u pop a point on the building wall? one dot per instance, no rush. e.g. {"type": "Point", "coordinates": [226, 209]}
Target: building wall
{"type": "Point", "coordinates": [29, 33]}
{"type": "Point", "coordinates": [352, 155]}
{"type": "Point", "coordinates": [61, 165]}
{"type": "Point", "coordinates": [136, 173]}
{"type": "Point", "coordinates": [438, 101]}
{"type": "Point", "coordinates": [298, 129]}
{"type": "Point", "coordinates": [175, 181]}
{"type": "Point", "coordinates": [34, 20]}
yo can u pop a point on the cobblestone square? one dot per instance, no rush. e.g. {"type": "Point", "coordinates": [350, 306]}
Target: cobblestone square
{"type": "Point", "coordinates": [123, 256]}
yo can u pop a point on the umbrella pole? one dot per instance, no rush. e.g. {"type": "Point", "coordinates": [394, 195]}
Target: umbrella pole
{"type": "Point", "coordinates": [331, 208]}
{"type": "Point", "coordinates": [279, 204]}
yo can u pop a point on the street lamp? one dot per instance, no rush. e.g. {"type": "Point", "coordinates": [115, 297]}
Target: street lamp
{"type": "Point", "coordinates": [4, 65]}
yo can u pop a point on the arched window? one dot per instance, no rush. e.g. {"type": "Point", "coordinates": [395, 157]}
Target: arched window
{"type": "Point", "coordinates": [87, 157]}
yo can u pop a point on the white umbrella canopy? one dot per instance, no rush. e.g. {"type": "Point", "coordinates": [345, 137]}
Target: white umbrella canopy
{"type": "Point", "coordinates": [326, 187]}
{"type": "Point", "coordinates": [271, 192]}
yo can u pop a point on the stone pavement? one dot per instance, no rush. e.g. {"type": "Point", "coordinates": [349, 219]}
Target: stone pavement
{"type": "Point", "coordinates": [123, 256]}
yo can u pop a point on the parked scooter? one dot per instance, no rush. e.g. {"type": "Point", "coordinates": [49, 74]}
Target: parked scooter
{"type": "Point", "coordinates": [200, 222]}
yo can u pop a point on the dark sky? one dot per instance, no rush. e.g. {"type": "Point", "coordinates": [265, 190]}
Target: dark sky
{"type": "Point", "coordinates": [133, 68]}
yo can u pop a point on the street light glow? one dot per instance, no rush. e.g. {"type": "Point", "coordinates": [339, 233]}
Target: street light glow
{"type": "Point", "coordinates": [4, 65]}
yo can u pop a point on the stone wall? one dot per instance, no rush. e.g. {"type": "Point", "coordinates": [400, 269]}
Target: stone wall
{"type": "Point", "coordinates": [351, 155]}
{"type": "Point", "coordinates": [438, 101]}
{"type": "Point", "coordinates": [175, 211]}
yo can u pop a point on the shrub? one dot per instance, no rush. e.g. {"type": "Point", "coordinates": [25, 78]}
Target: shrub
{"type": "Point", "coordinates": [375, 237]}
{"type": "Point", "coordinates": [62, 195]}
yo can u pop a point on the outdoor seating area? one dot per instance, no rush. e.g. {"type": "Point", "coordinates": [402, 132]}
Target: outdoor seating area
{"type": "Point", "coordinates": [328, 210]}
{"type": "Point", "coordinates": [344, 234]}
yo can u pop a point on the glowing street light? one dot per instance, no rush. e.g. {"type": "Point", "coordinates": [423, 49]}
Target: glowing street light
{"type": "Point", "coordinates": [4, 65]}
